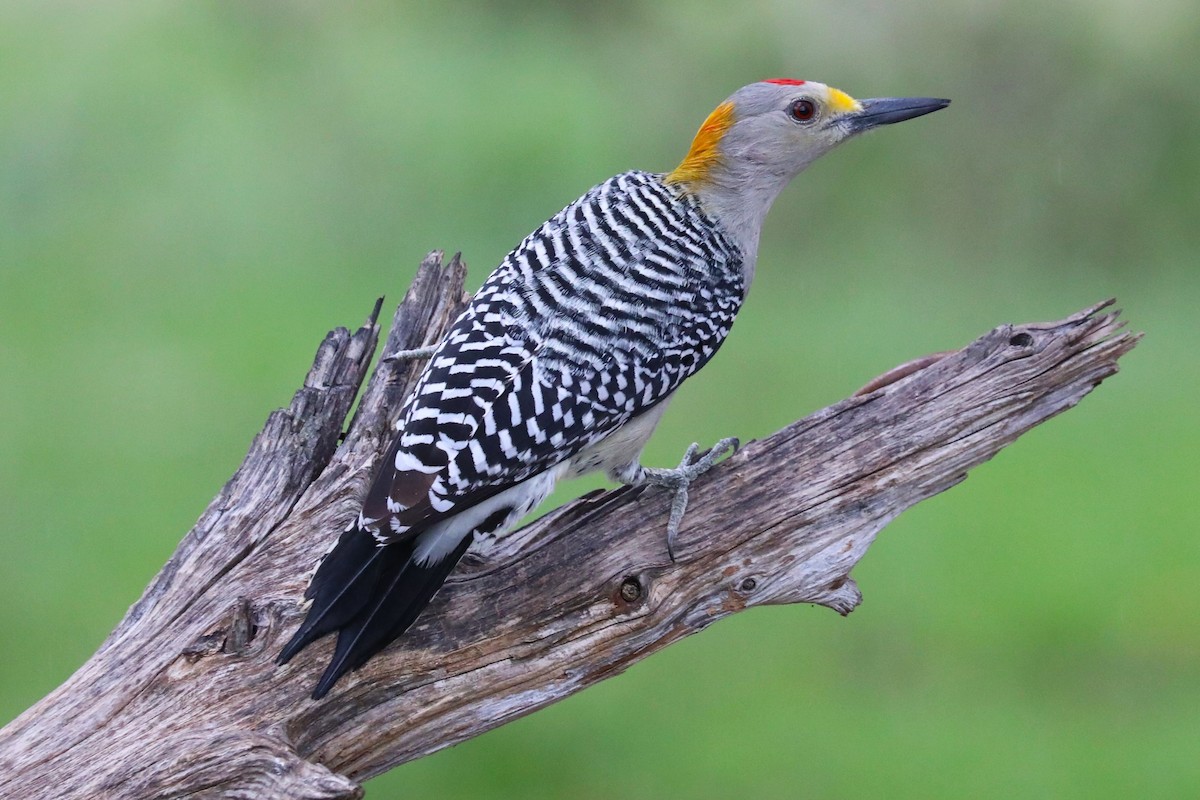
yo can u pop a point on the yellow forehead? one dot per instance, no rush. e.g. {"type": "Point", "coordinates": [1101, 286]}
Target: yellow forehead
{"type": "Point", "coordinates": [842, 103]}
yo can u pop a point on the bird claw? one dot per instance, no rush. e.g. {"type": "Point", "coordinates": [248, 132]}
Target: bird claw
{"type": "Point", "coordinates": [709, 458]}
{"type": "Point", "coordinates": [681, 477]}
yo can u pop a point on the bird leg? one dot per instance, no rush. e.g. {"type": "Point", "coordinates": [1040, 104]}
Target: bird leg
{"type": "Point", "coordinates": [678, 479]}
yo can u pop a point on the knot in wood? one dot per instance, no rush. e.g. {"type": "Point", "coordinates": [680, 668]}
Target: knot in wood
{"type": "Point", "coordinates": [1021, 339]}
{"type": "Point", "coordinates": [631, 590]}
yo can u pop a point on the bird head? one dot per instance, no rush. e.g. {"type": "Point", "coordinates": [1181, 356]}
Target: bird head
{"type": "Point", "coordinates": [775, 128]}
{"type": "Point", "coordinates": [760, 138]}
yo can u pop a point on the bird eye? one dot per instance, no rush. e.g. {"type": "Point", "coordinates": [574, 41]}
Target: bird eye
{"type": "Point", "coordinates": [802, 110]}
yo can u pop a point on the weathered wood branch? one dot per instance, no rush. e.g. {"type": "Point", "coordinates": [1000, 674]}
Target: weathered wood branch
{"type": "Point", "coordinates": [184, 699]}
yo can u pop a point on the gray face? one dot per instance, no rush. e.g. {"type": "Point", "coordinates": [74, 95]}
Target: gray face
{"type": "Point", "coordinates": [782, 126]}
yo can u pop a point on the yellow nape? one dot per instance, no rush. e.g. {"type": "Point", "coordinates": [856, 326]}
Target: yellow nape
{"type": "Point", "coordinates": [705, 150]}
{"type": "Point", "coordinates": [842, 103]}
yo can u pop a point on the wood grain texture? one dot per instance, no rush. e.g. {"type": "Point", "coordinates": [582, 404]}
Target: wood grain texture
{"type": "Point", "coordinates": [184, 700]}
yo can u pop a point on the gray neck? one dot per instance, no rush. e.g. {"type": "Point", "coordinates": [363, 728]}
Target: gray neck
{"type": "Point", "coordinates": [739, 203]}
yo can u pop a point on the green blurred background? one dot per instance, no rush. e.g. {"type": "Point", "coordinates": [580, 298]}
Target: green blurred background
{"type": "Point", "coordinates": [191, 195]}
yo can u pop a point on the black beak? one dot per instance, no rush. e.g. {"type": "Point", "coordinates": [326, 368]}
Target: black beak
{"type": "Point", "coordinates": [886, 110]}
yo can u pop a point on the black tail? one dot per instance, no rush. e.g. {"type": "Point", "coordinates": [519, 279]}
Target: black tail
{"type": "Point", "coordinates": [370, 595]}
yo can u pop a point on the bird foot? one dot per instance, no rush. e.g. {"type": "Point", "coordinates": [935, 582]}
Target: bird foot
{"type": "Point", "coordinates": [680, 478]}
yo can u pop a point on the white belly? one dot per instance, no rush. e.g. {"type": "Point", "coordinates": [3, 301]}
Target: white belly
{"type": "Point", "coordinates": [620, 448]}
{"type": "Point", "coordinates": [617, 450]}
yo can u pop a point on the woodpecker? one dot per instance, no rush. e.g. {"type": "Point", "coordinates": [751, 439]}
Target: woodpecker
{"type": "Point", "coordinates": [566, 359]}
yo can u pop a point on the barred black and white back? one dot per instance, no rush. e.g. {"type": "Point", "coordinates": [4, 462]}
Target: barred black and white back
{"type": "Point", "coordinates": [586, 328]}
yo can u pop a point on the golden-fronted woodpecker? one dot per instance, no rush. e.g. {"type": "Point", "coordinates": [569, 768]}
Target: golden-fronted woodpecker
{"type": "Point", "coordinates": [566, 359]}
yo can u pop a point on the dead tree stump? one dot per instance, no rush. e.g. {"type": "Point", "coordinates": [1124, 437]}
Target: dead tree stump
{"type": "Point", "coordinates": [184, 699]}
